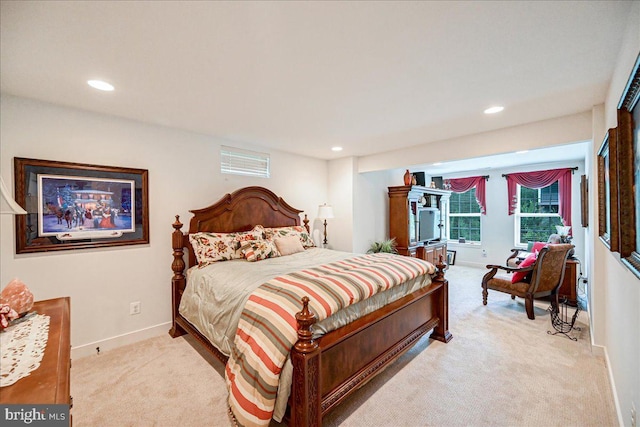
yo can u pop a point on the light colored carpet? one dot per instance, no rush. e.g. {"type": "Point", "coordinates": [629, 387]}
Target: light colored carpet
{"type": "Point", "coordinates": [500, 369]}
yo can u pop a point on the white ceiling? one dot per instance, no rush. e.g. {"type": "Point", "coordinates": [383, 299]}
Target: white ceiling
{"type": "Point", "coordinates": [305, 76]}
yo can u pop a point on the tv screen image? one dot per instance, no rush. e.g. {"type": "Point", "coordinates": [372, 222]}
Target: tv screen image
{"type": "Point", "coordinates": [429, 221]}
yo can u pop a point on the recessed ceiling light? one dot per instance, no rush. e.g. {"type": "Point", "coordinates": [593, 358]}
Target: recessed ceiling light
{"type": "Point", "coordinates": [493, 110]}
{"type": "Point", "coordinates": [437, 164]}
{"type": "Point", "coordinates": [100, 85]}
{"type": "Point", "coordinates": [336, 148]}
{"type": "Point", "coordinates": [522, 151]}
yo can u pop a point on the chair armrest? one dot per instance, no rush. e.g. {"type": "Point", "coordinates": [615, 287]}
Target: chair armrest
{"type": "Point", "coordinates": [494, 270]}
{"type": "Point", "coordinates": [509, 269]}
{"type": "Point", "coordinates": [513, 258]}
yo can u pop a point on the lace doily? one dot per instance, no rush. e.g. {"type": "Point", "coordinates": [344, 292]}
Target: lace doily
{"type": "Point", "coordinates": [22, 347]}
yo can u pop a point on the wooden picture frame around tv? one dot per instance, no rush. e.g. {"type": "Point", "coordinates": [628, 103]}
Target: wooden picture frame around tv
{"type": "Point", "coordinates": [629, 171]}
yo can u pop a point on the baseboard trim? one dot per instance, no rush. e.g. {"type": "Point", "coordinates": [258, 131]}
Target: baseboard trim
{"type": "Point", "coordinates": [597, 350]}
{"type": "Point", "coordinates": [119, 340]}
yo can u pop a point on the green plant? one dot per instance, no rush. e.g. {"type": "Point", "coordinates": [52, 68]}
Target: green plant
{"type": "Point", "coordinates": [388, 246]}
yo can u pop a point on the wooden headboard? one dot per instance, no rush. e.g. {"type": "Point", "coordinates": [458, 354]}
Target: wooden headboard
{"type": "Point", "coordinates": [241, 211]}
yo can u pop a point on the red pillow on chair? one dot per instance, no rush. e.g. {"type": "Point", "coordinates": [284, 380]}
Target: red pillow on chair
{"type": "Point", "coordinates": [537, 246]}
{"type": "Point", "coordinates": [518, 276]}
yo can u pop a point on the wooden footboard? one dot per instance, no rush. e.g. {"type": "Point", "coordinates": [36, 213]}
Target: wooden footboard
{"type": "Point", "coordinates": [328, 369]}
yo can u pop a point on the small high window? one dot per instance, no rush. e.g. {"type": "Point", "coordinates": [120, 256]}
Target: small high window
{"type": "Point", "coordinates": [244, 162]}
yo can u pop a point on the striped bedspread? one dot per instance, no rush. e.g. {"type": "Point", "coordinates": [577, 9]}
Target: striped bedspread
{"type": "Point", "coordinates": [268, 330]}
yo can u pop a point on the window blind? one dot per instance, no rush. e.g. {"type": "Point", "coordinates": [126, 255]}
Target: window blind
{"type": "Point", "coordinates": [244, 162]}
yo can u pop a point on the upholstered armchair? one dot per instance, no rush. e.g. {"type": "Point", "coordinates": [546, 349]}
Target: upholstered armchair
{"type": "Point", "coordinates": [515, 258]}
{"type": "Point", "coordinates": [541, 279]}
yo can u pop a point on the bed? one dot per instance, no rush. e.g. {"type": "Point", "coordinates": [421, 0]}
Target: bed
{"type": "Point", "coordinates": [327, 368]}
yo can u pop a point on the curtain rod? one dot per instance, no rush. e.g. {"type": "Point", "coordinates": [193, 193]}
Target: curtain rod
{"type": "Point", "coordinates": [504, 175]}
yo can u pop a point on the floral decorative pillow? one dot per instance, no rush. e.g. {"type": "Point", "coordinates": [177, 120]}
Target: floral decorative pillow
{"type": "Point", "coordinates": [257, 250]}
{"type": "Point", "coordinates": [245, 236]}
{"type": "Point", "coordinates": [213, 247]}
{"type": "Point", "coordinates": [294, 230]}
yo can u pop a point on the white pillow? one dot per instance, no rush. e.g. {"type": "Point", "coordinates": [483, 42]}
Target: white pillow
{"type": "Point", "coordinates": [289, 245]}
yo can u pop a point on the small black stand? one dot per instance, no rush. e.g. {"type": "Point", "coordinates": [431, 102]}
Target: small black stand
{"type": "Point", "coordinates": [560, 319]}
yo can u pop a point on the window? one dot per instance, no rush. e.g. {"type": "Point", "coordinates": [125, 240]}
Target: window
{"type": "Point", "coordinates": [536, 214]}
{"type": "Point", "coordinates": [244, 162]}
{"type": "Point", "coordinates": [464, 216]}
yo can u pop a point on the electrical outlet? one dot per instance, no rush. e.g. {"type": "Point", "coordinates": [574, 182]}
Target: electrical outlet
{"type": "Point", "coordinates": [484, 253]}
{"type": "Point", "coordinates": [633, 415]}
{"type": "Point", "coordinates": [134, 308]}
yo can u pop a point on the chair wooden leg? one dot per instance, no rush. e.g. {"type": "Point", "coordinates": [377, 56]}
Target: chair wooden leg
{"type": "Point", "coordinates": [485, 293]}
{"type": "Point", "coordinates": [528, 303]}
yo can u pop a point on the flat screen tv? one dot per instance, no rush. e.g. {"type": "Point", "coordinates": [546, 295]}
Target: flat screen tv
{"type": "Point", "coordinates": [429, 221]}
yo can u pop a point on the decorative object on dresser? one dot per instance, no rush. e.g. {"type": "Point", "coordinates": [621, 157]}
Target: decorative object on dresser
{"type": "Point", "coordinates": [328, 368]}
{"type": "Point", "coordinates": [416, 221]}
{"type": "Point", "coordinates": [78, 206]}
{"type": "Point", "coordinates": [50, 382]}
{"type": "Point", "coordinates": [407, 177]}
{"type": "Point", "coordinates": [325, 212]}
{"type": "Point", "coordinates": [17, 296]}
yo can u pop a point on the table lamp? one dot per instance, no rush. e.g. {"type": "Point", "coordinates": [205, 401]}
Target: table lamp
{"type": "Point", "coordinates": [8, 205]}
{"type": "Point", "coordinates": [325, 212]}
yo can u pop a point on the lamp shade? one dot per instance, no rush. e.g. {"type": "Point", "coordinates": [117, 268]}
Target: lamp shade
{"type": "Point", "coordinates": [325, 211]}
{"type": "Point", "coordinates": [7, 204]}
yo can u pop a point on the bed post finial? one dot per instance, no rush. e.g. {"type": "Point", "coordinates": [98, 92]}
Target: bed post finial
{"type": "Point", "coordinates": [440, 266]}
{"type": "Point", "coordinates": [305, 318]}
{"type": "Point", "coordinates": [305, 221]}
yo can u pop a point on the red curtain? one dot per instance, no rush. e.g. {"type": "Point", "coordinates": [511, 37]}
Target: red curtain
{"type": "Point", "coordinates": [540, 179]}
{"type": "Point", "coordinates": [460, 185]}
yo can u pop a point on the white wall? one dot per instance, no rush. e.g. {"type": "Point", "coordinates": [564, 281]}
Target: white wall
{"type": "Point", "coordinates": [184, 173]}
{"type": "Point", "coordinates": [617, 303]}
{"type": "Point", "coordinates": [546, 133]}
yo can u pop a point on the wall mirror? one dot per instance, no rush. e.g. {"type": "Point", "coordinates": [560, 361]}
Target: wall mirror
{"type": "Point", "coordinates": [629, 171]}
{"type": "Point", "coordinates": [608, 191]}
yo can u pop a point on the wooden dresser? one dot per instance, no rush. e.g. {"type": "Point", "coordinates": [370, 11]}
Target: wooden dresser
{"type": "Point", "coordinates": [50, 383]}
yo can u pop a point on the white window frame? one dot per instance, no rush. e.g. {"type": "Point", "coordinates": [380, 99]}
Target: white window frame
{"type": "Point", "coordinates": [236, 161]}
{"type": "Point", "coordinates": [518, 216]}
{"type": "Point", "coordinates": [471, 214]}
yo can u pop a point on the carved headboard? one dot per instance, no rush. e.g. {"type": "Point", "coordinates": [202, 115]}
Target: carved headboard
{"type": "Point", "coordinates": [241, 211]}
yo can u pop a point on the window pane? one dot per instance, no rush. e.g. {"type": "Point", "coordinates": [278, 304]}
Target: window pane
{"type": "Point", "coordinates": [543, 200]}
{"type": "Point", "coordinates": [464, 202]}
{"type": "Point", "coordinates": [467, 227]}
{"type": "Point", "coordinates": [538, 228]}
